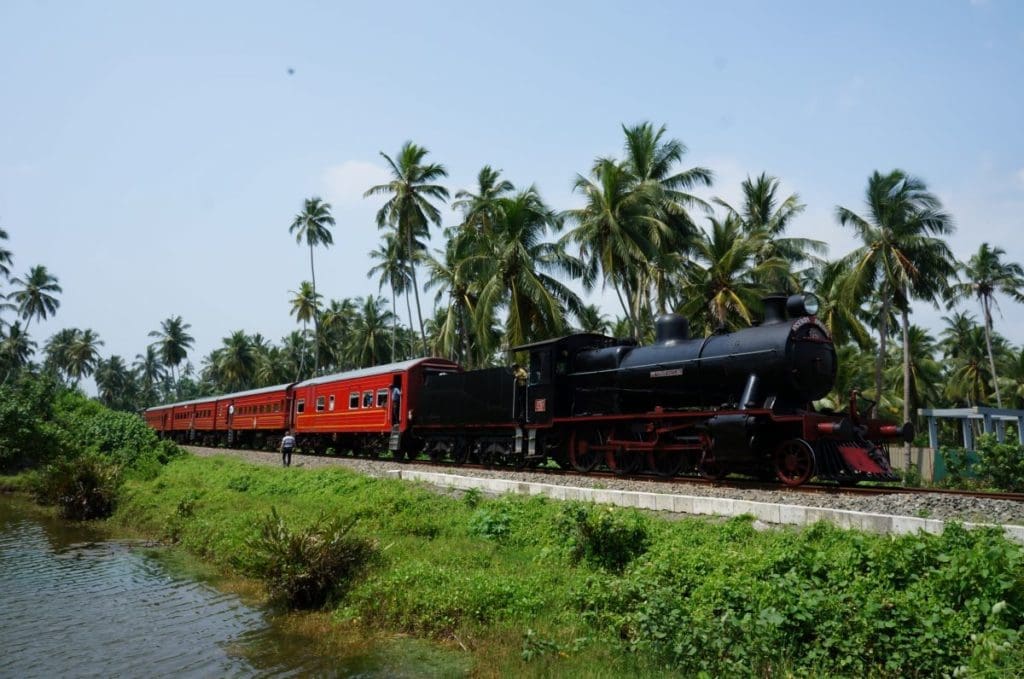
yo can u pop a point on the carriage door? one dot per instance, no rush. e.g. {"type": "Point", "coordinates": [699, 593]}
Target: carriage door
{"type": "Point", "coordinates": [539, 392]}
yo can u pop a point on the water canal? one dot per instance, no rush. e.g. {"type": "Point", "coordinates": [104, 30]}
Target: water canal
{"type": "Point", "coordinates": [75, 603]}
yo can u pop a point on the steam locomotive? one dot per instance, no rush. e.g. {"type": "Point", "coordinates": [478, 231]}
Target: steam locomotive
{"type": "Point", "coordinates": [732, 402]}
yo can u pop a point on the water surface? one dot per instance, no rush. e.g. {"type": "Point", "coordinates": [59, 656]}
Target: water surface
{"type": "Point", "coordinates": [74, 603]}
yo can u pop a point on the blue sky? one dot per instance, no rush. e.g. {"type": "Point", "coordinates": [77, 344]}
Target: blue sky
{"type": "Point", "coordinates": [153, 156]}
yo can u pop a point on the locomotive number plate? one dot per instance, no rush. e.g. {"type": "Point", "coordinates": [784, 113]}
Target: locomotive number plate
{"type": "Point", "coordinates": [540, 405]}
{"type": "Point", "coordinates": [674, 372]}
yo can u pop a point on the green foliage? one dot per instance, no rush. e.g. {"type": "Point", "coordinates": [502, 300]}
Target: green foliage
{"type": "Point", "coordinates": [958, 467]}
{"type": "Point", "coordinates": [602, 536]}
{"type": "Point", "coordinates": [995, 465]}
{"type": "Point", "coordinates": [27, 435]}
{"type": "Point", "coordinates": [1002, 464]}
{"type": "Point", "coordinates": [83, 488]}
{"type": "Point", "coordinates": [303, 568]}
{"type": "Point", "coordinates": [492, 522]}
{"type": "Point", "coordinates": [700, 596]}
{"type": "Point", "coordinates": [820, 601]}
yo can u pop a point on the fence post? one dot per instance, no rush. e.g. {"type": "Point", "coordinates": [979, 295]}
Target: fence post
{"type": "Point", "coordinates": [968, 433]}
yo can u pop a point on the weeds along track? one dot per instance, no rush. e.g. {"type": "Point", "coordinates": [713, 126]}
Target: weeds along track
{"type": "Point", "coordinates": [653, 481]}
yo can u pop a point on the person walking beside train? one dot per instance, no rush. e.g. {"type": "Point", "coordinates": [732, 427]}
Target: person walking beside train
{"type": "Point", "coordinates": [287, 446]}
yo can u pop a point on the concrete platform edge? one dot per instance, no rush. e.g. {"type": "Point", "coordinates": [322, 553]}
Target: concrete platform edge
{"type": "Point", "coordinates": [767, 512]}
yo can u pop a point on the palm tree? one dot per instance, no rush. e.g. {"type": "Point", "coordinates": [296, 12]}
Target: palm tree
{"type": "Point", "coordinates": [925, 370]}
{"type": "Point", "coordinates": [613, 230]}
{"type": "Point", "coordinates": [305, 307]}
{"type": "Point", "coordinates": [312, 225]}
{"type": "Point", "coordinates": [903, 256]}
{"type": "Point", "coordinates": [295, 348]}
{"type": "Point", "coordinates": [519, 268]}
{"type": "Point", "coordinates": [336, 328]}
{"type": "Point", "coordinates": [459, 278]}
{"type": "Point", "coordinates": [722, 288]}
{"type": "Point", "coordinates": [236, 361]}
{"type": "Point", "coordinates": [986, 274]}
{"type": "Point", "coordinates": [36, 298]}
{"type": "Point", "coordinates": [762, 214]}
{"type": "Point", "coordinates": [115, 385]}
{"type": "Point", "coordinates": [590, 319]}
{"type": "Point", "coordinates": [394, 272]}
{"type": "Point", "coordinates": [370, 335]}
{"type": "Point", "coordinates": [83, 355]}
{"type": "Point", "coordinates": [6, 258]}
{"type": "Point", "coordinates": [57, 351]}
{"type": "Point", "coordinates": [968, 377]}
{"type": "Point", "coordinates": [1016, 378]}
{"type": "Point", "coordinates": [173, 342]}
{"type": "Point", "coordinates": [408, 210]}
{"type": "Point", "coordinates": [16, 350]}
{"type": "Point", "coordinates": [652, 161]}
{"type": "Point", "coordinates": [149, 372]}
{"type": "Point", "coordinates": [478, 208]}
{"type": "Point", "coordinates": [843, 316]}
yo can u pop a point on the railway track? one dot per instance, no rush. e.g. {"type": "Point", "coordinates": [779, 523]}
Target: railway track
{"type": "Point", "coordinates": [737, 483]}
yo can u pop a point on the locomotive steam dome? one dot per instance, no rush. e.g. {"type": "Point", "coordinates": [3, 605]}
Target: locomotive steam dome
{"type": "Point", "coordinates": [671, 328]}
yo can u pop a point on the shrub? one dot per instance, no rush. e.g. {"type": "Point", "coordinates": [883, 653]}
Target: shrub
{"type": "Point", "coordinates": [305, 568]}
{"type": "Point", "coordinates": [83, 488]}
{"type": "Point", "coordinates": [28, 438]}
{"type": "Point", "coordinates": [493, 522]}
{"type": "Point", "coordinates": [1002, 464]}
{"type": "Point", "coordinates": [602, 536]}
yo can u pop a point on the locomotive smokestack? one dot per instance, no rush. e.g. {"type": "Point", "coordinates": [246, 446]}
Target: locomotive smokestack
{"type": "Point", "coordinates": [774, 309]}
{"type": "Point", "coordinates": [671, 328]}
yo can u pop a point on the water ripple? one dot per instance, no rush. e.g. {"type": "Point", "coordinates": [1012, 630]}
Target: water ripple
{"type": "Point", "coordinates": [104, 609]}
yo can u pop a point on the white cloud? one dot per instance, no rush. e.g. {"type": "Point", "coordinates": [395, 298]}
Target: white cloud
{"type": "Point", "coordinates": [345, 184]}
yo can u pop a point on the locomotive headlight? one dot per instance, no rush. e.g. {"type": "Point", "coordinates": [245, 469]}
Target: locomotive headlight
{"type": "Point", "coordinates": [804, 304]}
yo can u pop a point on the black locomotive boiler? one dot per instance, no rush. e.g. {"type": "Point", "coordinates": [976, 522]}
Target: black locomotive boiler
{"type": "Point", "coordinates": [731, 402]}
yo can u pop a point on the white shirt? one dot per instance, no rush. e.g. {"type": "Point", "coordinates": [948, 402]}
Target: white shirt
{"type": "Point", "coordinates": [288, 441]}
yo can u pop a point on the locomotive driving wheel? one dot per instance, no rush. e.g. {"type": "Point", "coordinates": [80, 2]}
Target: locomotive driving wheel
{"type": "Point", "coordinates": [794, 462]}
{"type": "Point", "coordinates": [437, 451]}
{"type": "Point", "coordinates": [584, 449]}
{"type": "Point", "coordinates": [622, 461]}
{"type": "Point", "coordinates": [665, 463]}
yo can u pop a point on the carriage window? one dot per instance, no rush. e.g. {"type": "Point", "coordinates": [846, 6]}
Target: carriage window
{"type": "Point", "coordinates": [368, 399]}
{"type": "Point", "coordinates": [277, 407]}
{"type": "Point", "coordinates": [353, 400]}
{"type": "Point", "coordinates": [300, 407]}
{"type": "Point", "coordinates": [330, 403]}
{"type": "Point", "coordinates": [382, 398]}
{"type": "Point", "coordinates": [320, 404]}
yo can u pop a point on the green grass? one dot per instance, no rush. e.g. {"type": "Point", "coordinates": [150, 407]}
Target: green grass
{"type": "Point", "coordinates": [540, 588]}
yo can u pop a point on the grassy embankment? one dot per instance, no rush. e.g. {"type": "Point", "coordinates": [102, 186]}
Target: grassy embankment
{"type": "Point", "coordinates": [539, 587]}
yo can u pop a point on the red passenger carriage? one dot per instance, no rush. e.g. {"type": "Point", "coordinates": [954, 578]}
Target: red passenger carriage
{"type": "Point", "coordinates": [354, 410]}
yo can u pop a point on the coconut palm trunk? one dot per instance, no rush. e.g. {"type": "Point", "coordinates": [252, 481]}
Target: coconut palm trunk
{"type": "Point", "coordinates": [883, 336]}
{"type": "Point", "coordinates": [394, 323]}
{"type": "Point", "coordinates": [986, 305]}
{"type": "Point", "coordinates": [316, 317]}
{"type": "Point", "coordinates": [416, 290]}
{"type": "Point", "coordinates": [905, 316]}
